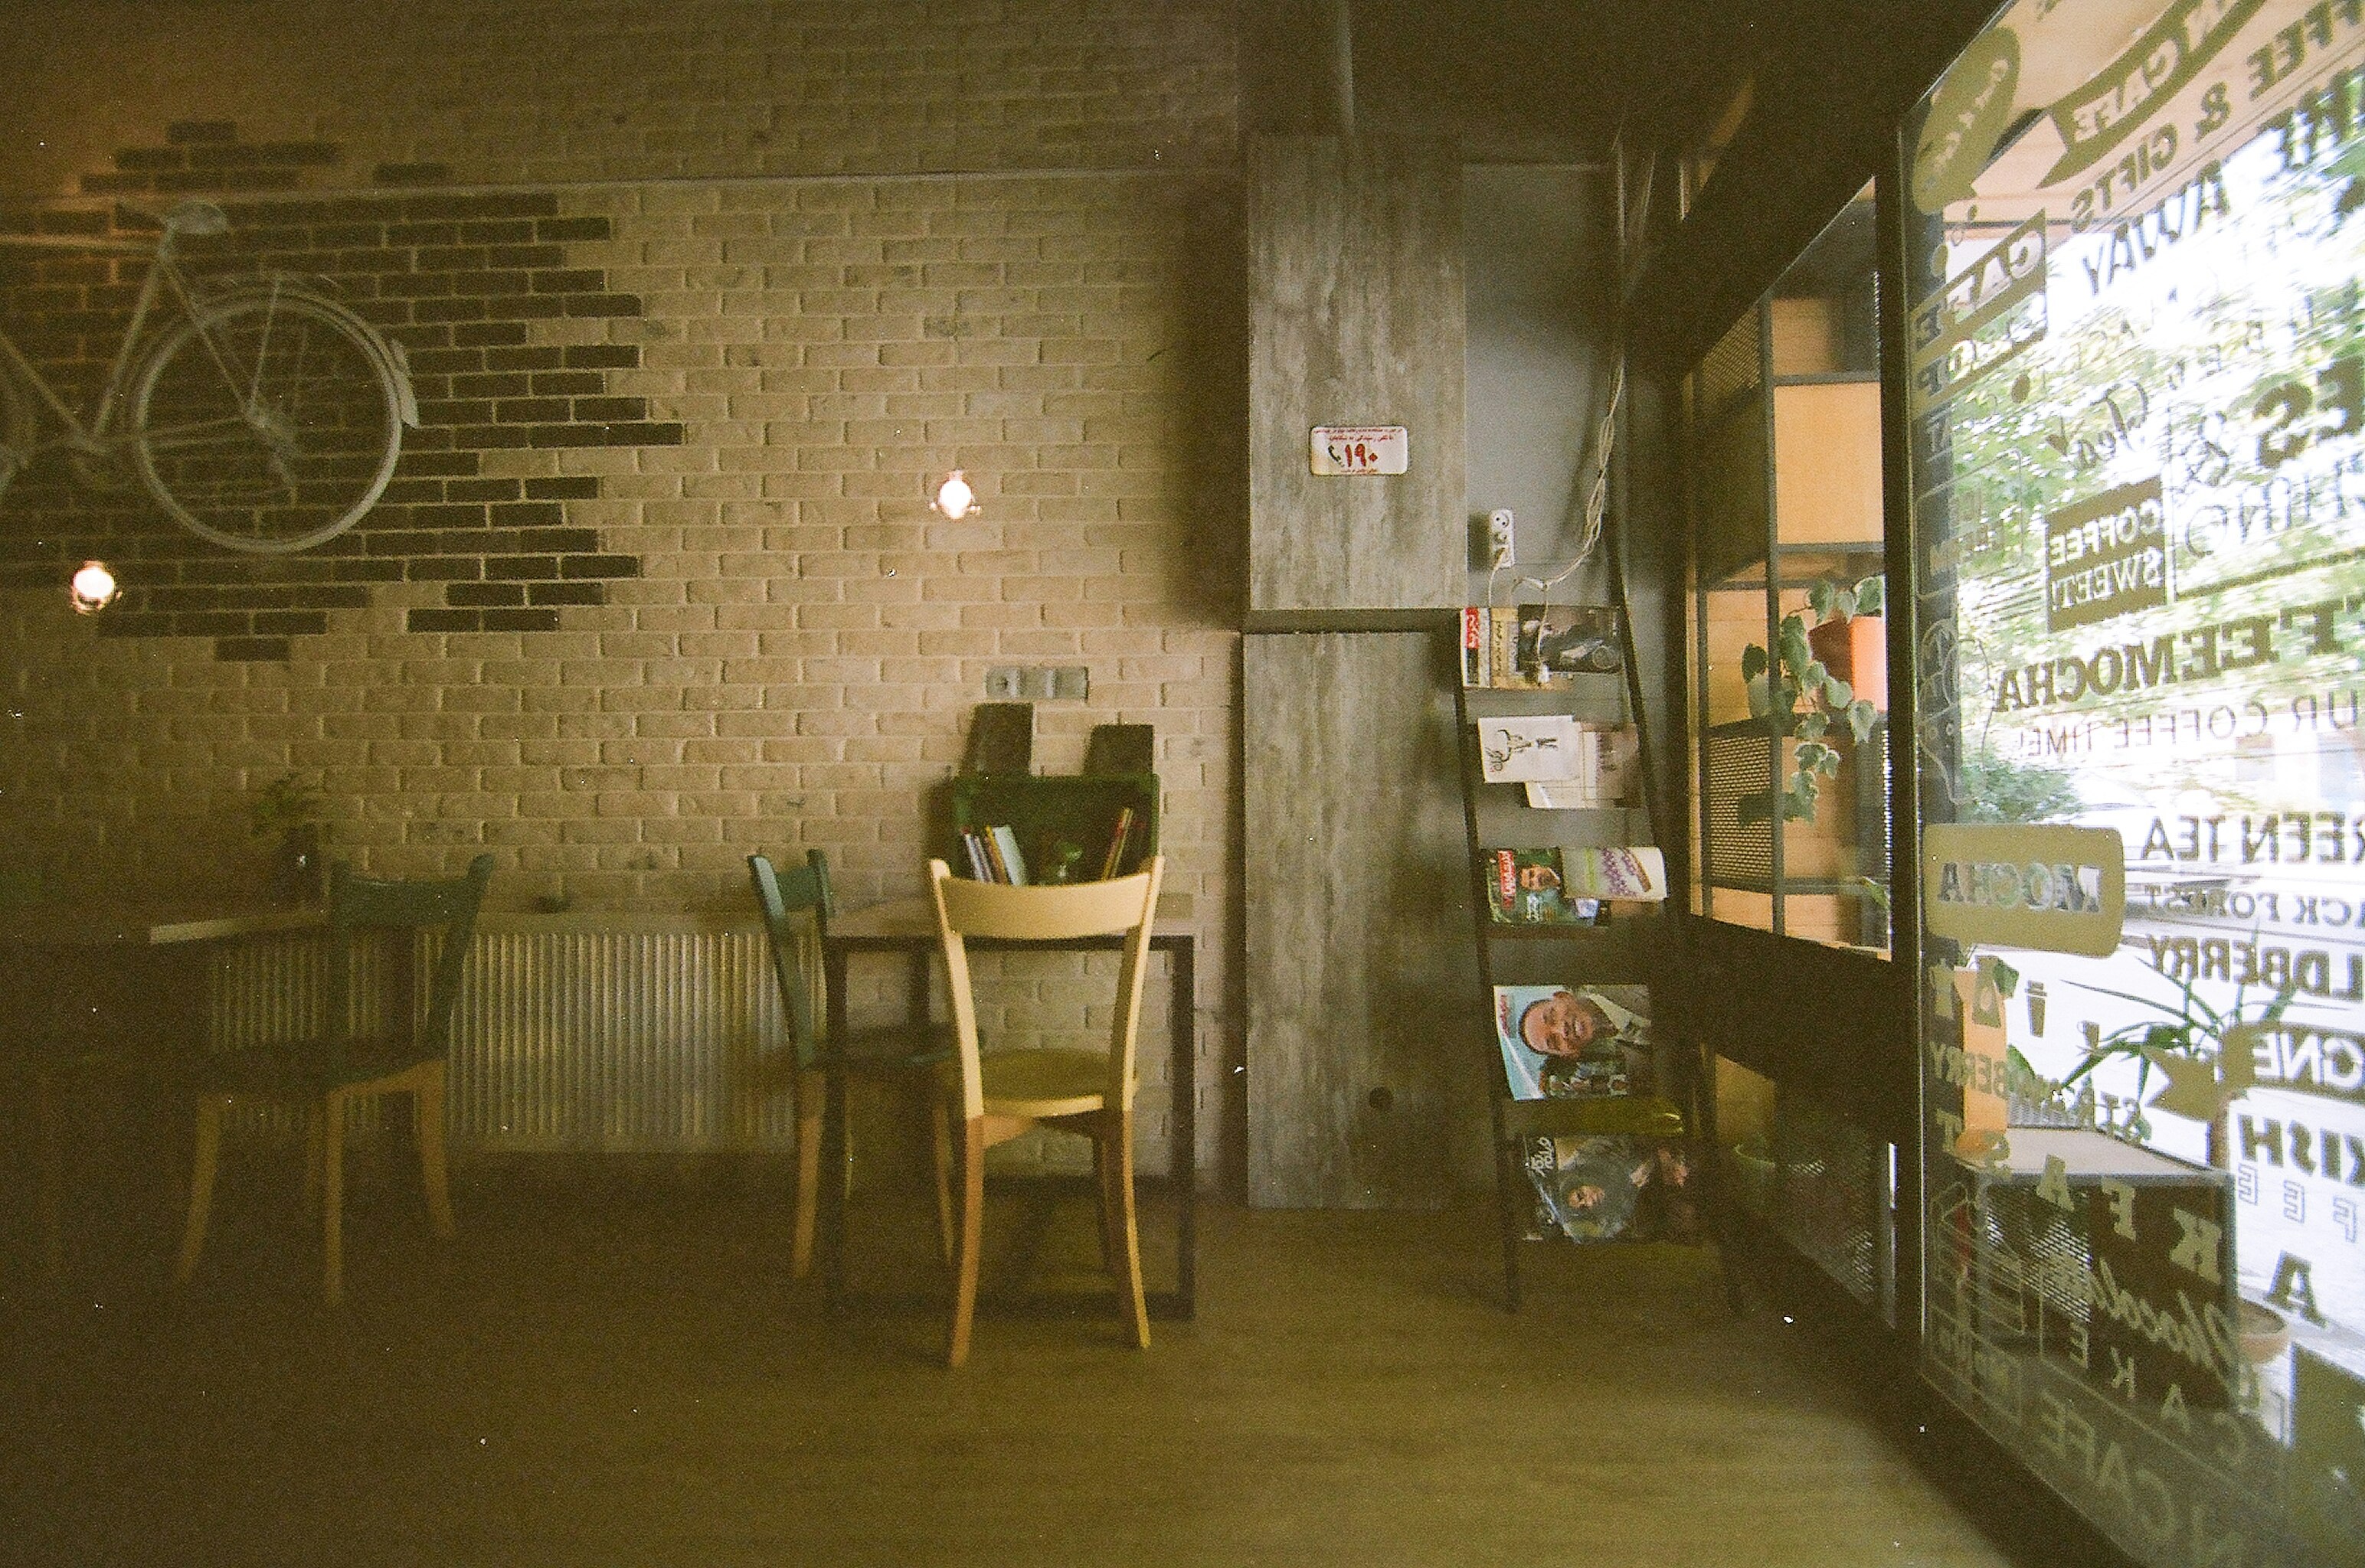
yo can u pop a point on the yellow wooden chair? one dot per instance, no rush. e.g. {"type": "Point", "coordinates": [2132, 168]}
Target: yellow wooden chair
{"type": "Point", "coordinates": [1007, 1093]}
{"type": "Point", "coordinates": [323, 1075]}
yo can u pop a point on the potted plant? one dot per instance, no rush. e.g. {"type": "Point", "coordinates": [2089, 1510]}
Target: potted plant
{"type": "Point", "coordinates": [2205, 1054]}
{"type": "Point", "coordinates": [1801, 691]}
{"type": "Point", "coordinates": [289, 812]}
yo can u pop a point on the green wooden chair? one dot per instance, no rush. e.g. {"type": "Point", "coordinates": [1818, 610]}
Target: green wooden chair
{"type": "Point", "coordinates": [323, 1075]}
{"type": "Point", "coordinates": [797, 907]}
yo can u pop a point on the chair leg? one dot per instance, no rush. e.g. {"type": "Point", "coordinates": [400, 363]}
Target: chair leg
{"type": "Point", "coordinates": [1123, 1232]}
{"type": "Point", "coordinates": [50, 1180]}
{"type": "Point", "coordinates": [427, 1112]}
{"type": "Point", "coordinates": [332, 1196]}
{"type": "Point", "coordinates": [313, 1155]}
{"type": "Point", "coordinates": [810, 1094]}
{"type": "Point", "coordinates": [972, 1155]}
{"type": "Point", "coordinates": [1105, 1212]}
{"type": "Point", "coordinates": [201, 1186]}
{"type": "Point", "coordinates": [940, 1129]}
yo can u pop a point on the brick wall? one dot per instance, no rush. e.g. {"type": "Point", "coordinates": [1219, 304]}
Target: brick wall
{"type": "Point", "coordinates": [657, 582]}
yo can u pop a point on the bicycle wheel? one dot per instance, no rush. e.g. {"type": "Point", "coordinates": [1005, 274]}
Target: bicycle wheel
{"type": "Point", "coordinates": [267, 422]}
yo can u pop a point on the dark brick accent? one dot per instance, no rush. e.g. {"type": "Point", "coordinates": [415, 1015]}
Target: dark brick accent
{"type": "Point", "coordinates": [459, 280]}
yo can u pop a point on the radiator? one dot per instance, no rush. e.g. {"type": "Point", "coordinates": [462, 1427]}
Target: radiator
{"type": "Point", "coordinates": [630, 1034]}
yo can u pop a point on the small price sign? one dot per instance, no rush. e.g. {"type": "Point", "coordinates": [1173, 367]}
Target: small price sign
{"type": "Point", "coordinates": [1361, 449]}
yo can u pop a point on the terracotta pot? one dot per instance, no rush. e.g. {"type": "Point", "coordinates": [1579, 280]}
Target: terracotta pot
{"type": "Point", "coordinates": [1855, 651]}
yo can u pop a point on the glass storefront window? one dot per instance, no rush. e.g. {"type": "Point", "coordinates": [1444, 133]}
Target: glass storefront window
{"type": "Point", "coordinates": [2133, 245]}
{"type": "Point", "coordinates": [1789, 686]}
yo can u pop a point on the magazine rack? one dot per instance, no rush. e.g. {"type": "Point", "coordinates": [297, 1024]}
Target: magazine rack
{"type": "Point", "coordinates": [1617, 953]}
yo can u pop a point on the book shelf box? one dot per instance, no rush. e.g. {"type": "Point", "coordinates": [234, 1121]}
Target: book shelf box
{"type": "Point", "coordinates": [1052, 814]}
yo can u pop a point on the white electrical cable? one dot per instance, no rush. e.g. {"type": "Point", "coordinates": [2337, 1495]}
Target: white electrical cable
{"type": "Point", "coordinates": [1596, 496]}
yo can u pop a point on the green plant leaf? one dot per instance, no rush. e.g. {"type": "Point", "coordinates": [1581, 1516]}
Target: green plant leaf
{"type": "Point", "coordinates": [1752, 661]}
{"type": "Point", "coordinates": [1813, 725]}
{"type": "Point", "coordinates": [1861, 716]}
{"type": "Point", "coordinates": [1822, 596]}
{"type": "Point", "coordinates": [1871, 594]}
{"type": "Point", "coordinates": [1838, 694]}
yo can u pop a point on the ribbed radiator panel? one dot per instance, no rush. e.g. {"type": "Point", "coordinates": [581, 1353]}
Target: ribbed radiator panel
{"type": "Point", "coordinates": [619, 1040]}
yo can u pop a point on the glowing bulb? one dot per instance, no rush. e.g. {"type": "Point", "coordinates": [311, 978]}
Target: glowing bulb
{"type": "Point", "coordinates": [94, 588]}
{"type": "Point", "coordinates": [954, 497]}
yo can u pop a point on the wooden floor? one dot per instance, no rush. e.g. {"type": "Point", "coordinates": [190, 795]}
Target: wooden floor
{"type": "Point", "coordinates": [624, 1376]}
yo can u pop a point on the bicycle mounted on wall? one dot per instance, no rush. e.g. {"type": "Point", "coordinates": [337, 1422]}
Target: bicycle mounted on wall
{"type": "Point", "coordinates": [266, 419]}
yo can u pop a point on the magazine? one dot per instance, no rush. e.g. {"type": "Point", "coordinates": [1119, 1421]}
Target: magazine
{"type": "Point", "coordinates": [1612, 1188]}
{"type": "Point", "coordinates": [1544, 745]}
{"type": "Point", "coordinates": [1540, 646]}
{"type": "Point", "coordinates": [1609, 773]}
{"type": "Point", "coordinates": [1573, 1042]}
{"type": "Point", "coordinates": [1525, 887]}
{"type": "Point", "coordinates": [1638, 873]}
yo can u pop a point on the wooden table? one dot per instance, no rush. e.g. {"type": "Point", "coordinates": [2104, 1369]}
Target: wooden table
{"type": "Point", "coordinates": [121, 984]}
{"type": "Point", "coordinates": [908, 926]}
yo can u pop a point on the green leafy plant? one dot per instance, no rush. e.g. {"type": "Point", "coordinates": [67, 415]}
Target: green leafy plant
{"type": "Point", "coordinates": [284, 805]}
{"type": "Point", "coordinates": [2192, 1033]}
{"type": "Point", "coordinates": [1805, 700]}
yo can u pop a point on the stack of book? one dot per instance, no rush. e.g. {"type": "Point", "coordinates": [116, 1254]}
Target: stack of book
{"type": "Point", "coordinates": [995, 856]}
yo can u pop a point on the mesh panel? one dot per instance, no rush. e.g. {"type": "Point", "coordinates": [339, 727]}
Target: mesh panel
{"type": "Point", "coordinates": [1729, 371]}
{"type": "Point", "coordinates": [1740, 759]}
{"type": "Point", "coordinates": [1827, 1195]}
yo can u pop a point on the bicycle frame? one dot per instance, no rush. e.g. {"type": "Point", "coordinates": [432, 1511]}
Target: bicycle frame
{"type": "Point", "coordinates": [97, 435]}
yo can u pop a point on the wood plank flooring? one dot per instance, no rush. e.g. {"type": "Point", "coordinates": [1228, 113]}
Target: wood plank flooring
{"type": "Point", "coordinates": [625, 1375]}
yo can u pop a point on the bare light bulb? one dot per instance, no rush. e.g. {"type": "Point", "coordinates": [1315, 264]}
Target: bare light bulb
{"type": "Point", "coordinates": [954, 497]}
{"type": "Point", "coordinates": [94, 589]}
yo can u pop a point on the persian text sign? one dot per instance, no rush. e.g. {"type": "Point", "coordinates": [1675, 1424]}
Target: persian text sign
{"type": "Point", "coordinates": [2055, 890]}
{"type": "Point", "coordinates": [1361, 449]}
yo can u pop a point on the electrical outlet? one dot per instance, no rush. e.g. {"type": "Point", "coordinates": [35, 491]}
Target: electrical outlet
{"type": "Point", "coordinates": [1071, 683]}
{"type": "Point", "coordinates": [1002, 683]}
{"type": "Point", "coordinates": [1499, 545]}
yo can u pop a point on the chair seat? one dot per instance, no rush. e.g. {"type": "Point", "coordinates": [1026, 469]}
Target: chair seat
{"type": "Point", "coordinates": [302, 1070]}
{"type": "Point", "coordinates": [1042, 1082]}
{"type": "Point", "coordinates": [887, 1048]}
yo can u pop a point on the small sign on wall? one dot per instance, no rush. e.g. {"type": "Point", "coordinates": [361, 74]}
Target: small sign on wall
{"type": "Point", "coordinates": [1361, 449]}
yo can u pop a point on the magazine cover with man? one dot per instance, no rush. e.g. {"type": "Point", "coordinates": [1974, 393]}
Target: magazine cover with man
{"type": "Point", "coordinates": [1573, 1042]}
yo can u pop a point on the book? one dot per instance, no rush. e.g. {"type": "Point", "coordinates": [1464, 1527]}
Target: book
{"type": "Point", "coordinates": [1013, 865]}
{"type": "Point", "coordinates": [1513, 750]}
{"type": "Point", "coordinates": [1525, 887]}
{"type": "Point", "coordinates": [995, 870]}
{"type": "Point", "coordinates": [1117, 835]}
{"type": "Point", "coordinates": [980, 869]}
{"type": "Point", "coordinates": [1477, 645]}
{"type": "Point", "coordinates": [1573, 1042]}
{"type": "Point", "coordinates": [1543, 646]}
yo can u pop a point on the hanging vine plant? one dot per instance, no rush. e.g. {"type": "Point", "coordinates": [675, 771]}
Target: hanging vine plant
{"type": "Point", "coordinates": [1805, 699]}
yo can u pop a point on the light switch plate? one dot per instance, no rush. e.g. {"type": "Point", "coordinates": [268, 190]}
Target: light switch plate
{"type": "Point", "coordinates": [1071, 682]}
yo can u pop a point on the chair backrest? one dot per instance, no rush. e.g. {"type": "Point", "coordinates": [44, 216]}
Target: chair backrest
{"type": "Point", "coordinates": [447, 908]}
{"type": "Point", "coordinates": [1123, 905]}
{"type": "Point", "coordinates": [796, 906]}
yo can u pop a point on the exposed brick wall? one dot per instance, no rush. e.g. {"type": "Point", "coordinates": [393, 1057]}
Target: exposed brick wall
{"type": "Point", "coordinates": [546, 92]}
{"type": "Point", "coordinates": [657, 583]}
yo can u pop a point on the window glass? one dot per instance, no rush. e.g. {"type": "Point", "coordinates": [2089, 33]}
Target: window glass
{"type": "Point", "coordinates": [2137, 394]}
